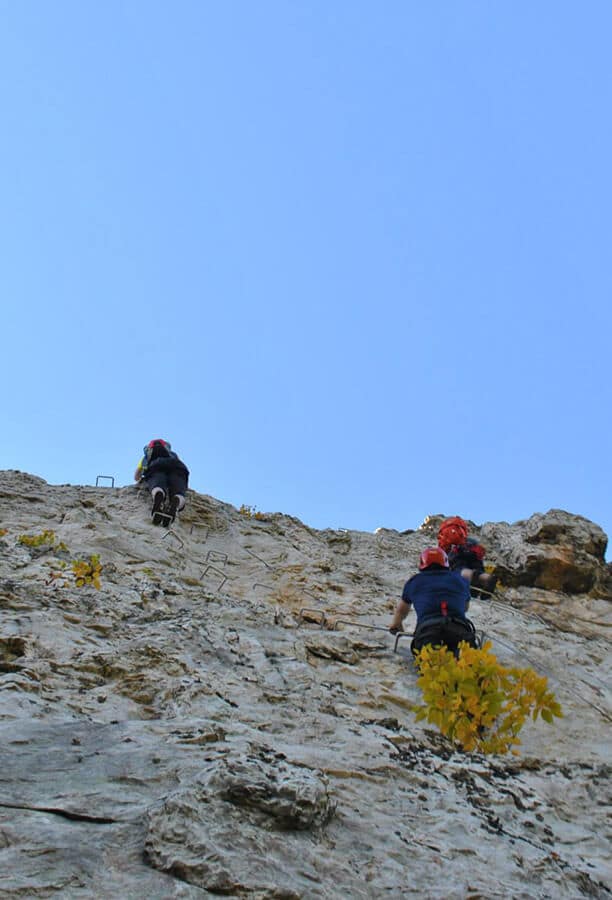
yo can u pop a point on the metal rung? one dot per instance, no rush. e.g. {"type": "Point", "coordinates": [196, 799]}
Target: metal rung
{"type": "Point", "coordinates": [402, 634]}
{"type": "Point", "coordinates": [218, 572]}
{"type": "Point", "coordinates": [173, 534]}
{"type": "Point", "coordinates": [216, 556]}
{"type": "Point", "coordinates": [110, 478]}
{"type": "Point", "coordinates": [250, 552]}
{"type": "Point", "coordinates": [319, 612]}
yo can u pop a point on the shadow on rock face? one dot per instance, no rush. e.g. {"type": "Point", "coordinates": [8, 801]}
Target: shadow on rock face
{"type": "Point", "coordinates": [12, 649]}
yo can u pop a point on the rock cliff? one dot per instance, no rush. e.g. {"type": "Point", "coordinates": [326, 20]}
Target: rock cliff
{"type": "Point", "coordinates": [212, 721]}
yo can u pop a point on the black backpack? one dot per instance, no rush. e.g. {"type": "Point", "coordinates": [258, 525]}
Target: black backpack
{"type": "Point", "coordinates": [155, 449]}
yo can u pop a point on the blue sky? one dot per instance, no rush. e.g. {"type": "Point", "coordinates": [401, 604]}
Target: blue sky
{"type": "Point", "coordinates": [351, 258]}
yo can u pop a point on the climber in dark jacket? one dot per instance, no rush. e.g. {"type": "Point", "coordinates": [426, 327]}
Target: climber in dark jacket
{"type": "Point", "coordinates": [466, 555]}
{"type": "Point", "coordinates": [166, 476]}
{"type": "Point", "coordinates": [467, 559]}
{"type": "Point", "coordinates": [441, 599]}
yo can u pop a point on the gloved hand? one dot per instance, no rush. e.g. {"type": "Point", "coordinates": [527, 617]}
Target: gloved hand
{"type": "Point", "coordinates": [396, 629]}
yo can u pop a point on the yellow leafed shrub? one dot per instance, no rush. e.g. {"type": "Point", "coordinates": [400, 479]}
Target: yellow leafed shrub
{"type": "Point", "coordinates": [476, 702]}
{"type": "Point", "coordinates": [251, 512]}
{"type": "Point", "coordinates": [44, 539]}
{"type": "Point", "coordinates": [37, 540]}
{"type": "Point", "coordinates": [87, 572]}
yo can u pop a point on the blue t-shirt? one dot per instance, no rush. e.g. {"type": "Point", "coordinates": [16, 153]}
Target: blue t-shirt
{"type": "Point", "coordinates": [426, 591]}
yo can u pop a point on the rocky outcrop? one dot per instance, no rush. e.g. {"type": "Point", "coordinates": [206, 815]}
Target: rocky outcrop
{"type": "Point", "coordinates": [555, 551]}
{"type": "Point", "coordinates": [206, 831]}
{"type": "Point", "coordinates": [226, 715]}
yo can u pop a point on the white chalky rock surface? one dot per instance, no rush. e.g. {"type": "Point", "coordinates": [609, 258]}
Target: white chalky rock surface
{"type": "Point", "coordinates": [182, 732]}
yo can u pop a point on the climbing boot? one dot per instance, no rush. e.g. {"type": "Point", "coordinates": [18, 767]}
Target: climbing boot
{"type": "Point", "coordinates": [157, 516]}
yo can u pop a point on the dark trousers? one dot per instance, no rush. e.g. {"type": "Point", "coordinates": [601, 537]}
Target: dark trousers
{"type": "Point", "coordinates": [171, 475]}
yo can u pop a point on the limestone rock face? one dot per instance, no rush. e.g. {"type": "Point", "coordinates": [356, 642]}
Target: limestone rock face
{"type": "Point", "coordinates": [227, 715]}
{"type": "Point", "coordinates": [556, 551]}
{"type": "Point", "coordinates": [207, 831]}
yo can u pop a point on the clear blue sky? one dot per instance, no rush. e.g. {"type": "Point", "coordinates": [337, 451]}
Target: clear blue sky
{"type": "Point", "coordinates": [352, 259]}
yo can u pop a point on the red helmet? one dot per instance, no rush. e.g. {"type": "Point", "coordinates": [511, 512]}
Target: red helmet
{"type": "Point", "coordinates": [431, 556]}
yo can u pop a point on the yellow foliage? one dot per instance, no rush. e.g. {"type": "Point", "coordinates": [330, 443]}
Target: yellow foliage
{"type": "Point", "coordinates": [251, 512]}
{"type": "Point", "coordinates": [3, 531]}
{"type": "Point", "coordinates": [478, 703]}
{"type": "Point", "coordinates": [87, 572]}
{"type": "Point", "coordinates": [45, 538]}
{"type": "Point", "coordinates": [37, 540]}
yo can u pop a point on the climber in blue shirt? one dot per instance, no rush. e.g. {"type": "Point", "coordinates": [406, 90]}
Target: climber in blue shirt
{"type": "Point", "coordinates": [441, 599]}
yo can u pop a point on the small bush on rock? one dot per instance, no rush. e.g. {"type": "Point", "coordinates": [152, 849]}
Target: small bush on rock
{"type": "Point", "coordinates": [44, 539]}
{"type": "Point", "coordinates": [37, 540]}
{"type": "Point", "coordinates": [251, 512]}
{"type": "Point", "coordinates": [87, 572]}
{"type": "Point", "coordinates": [476, 702]}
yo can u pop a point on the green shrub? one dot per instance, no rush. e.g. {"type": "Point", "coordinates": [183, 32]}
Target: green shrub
{"type": "Point", "coordinates": [476, 702]}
